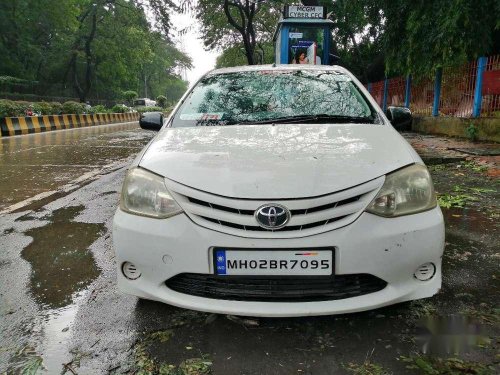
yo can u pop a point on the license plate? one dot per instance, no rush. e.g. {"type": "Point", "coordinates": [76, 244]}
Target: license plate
{"type": "Point", "coordinates": [273, 262]}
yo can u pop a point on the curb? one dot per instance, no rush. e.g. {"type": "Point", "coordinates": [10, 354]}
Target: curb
{"type": "Point", "coordinates": [37, 124]}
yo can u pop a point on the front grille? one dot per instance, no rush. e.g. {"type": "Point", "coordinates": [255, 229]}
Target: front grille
{"type": "Point", "coordinates": [285, 229]}
{"type": "Point", "coordinates": [276, 288]}
{"type": "Point", "coordinates": [309, 216]}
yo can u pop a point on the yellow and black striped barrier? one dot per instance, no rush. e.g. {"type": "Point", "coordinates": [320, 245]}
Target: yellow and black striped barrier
{"type": "Point", "coordinates": [37, 124]}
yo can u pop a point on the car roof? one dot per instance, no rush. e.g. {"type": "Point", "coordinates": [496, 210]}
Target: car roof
{"type": "Point", "coordinates": [291, 67]}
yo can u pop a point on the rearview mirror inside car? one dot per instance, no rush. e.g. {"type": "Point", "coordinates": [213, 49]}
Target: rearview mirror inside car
{"type": "Point", "coordinates": [151, 121]}
{"type": "Point", "coordinates": [400, 117]}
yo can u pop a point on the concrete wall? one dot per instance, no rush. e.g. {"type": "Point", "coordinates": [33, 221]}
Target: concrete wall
{"type": "Point", "coordinates": [488, 128]}
{"type": "Point", "coordinates": [36, 124]}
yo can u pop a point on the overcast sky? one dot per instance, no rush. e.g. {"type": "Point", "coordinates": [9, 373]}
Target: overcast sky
{"type": "Point", "coordinates": [203, 61]}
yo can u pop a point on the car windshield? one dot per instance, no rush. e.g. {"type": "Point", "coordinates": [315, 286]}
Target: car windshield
{"type": "Point", "coordinates": [274, 96]}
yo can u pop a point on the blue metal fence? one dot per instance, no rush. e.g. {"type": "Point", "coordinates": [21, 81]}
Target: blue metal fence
{"type": "Point", "coordinates": [451, 91]}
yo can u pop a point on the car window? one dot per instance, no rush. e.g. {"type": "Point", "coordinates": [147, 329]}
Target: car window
{"type": "Point", "coordinates": [245, 97]}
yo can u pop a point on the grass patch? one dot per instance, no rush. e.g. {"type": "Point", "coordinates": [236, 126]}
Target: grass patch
{"type": "Point", "coordinates": [367, 368]}
{"type": "Point", "coordinates": [455, 200]}
{"type": "Point", "coordinates": [450, 366]}
{"type": "Point", "coordinates": [161, 336]}
{"type": "Point", "coordinates": [462, 196]}
{"type": "Point", "coordinates": [474, 166]}
{"type": "Point", "coordinates": [145, 365]}
{"type": "Point", "coordinates": [420, 308]}
{"type": "Point", "coordinates": [436, 167]}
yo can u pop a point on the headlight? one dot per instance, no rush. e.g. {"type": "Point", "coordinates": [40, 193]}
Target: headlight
{"type": "Point", "coordinates": [405, 192]}
{"type": "Point", "coordinates": [144, 193]}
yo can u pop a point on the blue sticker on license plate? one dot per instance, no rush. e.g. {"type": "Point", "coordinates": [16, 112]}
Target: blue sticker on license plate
{"type": "Point", "coordinates": [220, 262]}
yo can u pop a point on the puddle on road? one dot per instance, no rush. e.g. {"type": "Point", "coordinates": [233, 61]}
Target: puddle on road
{"type": "Point", "coordinates": [62, 266]}
{"type": "Point", "coordinates": [59, 256]}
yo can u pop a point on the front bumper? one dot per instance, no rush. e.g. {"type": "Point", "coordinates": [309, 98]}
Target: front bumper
{"type": "Point", "coordinates": [391, 249]}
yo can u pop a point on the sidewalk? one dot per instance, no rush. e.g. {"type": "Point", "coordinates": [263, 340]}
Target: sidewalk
{"type": "Point", "coordinates": [441, 150]}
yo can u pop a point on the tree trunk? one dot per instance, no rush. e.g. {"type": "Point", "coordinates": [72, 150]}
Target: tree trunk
{"type": "Point", "coordinates": [246, 11]}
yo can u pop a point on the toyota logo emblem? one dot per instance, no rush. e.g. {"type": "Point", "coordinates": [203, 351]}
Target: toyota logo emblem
{"type": "Point", "coordinates": [272, 216]}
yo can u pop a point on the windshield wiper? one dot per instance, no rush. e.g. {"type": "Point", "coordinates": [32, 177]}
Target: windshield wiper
{"type": "Point", "coordinates": [321, 118]}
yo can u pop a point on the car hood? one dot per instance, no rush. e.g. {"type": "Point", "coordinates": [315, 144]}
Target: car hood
{"type": "Point", "coordinates": [276, 161]}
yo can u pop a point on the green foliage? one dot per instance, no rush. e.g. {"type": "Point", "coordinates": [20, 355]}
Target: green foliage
{"type": "Point", "coordinates": [43, 44]}
{"type": "Point", "coordinates": [455, 200]}
{"type": "Point", "coordinates": [235, 55]}
{"type": "Point", "coordinates": [149, 109]}
{"type": "Point", "coordinates": [129, 96]}
{"type": "Point", "coordinates": [8, 108]}
{"type": "Point", "coordinates": [7, 80]}
{"type": "Point", "coordinates": [56, 108]}
{"type": "Point", "coordinates": [43, 108]}
{"type": "Point", "coordinates": [218, 34]}
{"type": "Point", "coordinates": [472, 131]}
{"type": "Point", "coordinates": [71, 107]}
{"type": "Point", "coordinates": [33, 366]}
{"type": "Point", "coordinates": [161, 100]}
{"type": "Point", "coordinates": [119, 108]}
{"type": "Point", "coordinates": [450, 366]}
{"type": "Point", "coordinates": [28, 362]}
{"type": "Point", "coordinates": [98, 109]}
{"type": "Point", "coordinates": [421, 36]}
{"type": "Point", "coordinates": [366, 368]}
{"type": "Point", "coordinates": [374, 37]}
{"type": "Point", "coordinates": [474, 166]}
{"type": "Point", "coordinates": [462, 196]}
{"type": "Point", "coordinates": [145, 365]}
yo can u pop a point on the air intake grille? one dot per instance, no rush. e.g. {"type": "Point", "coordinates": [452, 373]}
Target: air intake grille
{"type": "Point", "coordinates": [276, 288]}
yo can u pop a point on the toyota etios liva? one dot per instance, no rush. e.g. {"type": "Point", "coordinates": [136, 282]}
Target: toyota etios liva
{"type": "Point", "coordinates": [278, 191]}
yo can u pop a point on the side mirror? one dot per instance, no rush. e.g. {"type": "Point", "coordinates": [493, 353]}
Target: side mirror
{"type": "Point", "coordinates": [151, 121]}
{"type": "Point", "coordinates": [400, 117]}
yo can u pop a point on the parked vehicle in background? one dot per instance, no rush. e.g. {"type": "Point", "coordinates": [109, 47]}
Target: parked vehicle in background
{"type": "Point", "coordinates": [278, 191]}
{"type": "Point", "coordinates": [144, 102]}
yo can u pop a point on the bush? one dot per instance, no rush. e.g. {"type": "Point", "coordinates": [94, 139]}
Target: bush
{"type": "Point", "coordinates": [56, 108]}
{"type": "Point", "coordinates": [44, 108]}
{"type": "Point", "coordinates": [161, 101]}
{"type": "Point", "coordinates": [472, 131]}
{"type": "Point", "coordinates": [8, 108]}
{"type": "Point", "coordinates": [129, 96]}
{"type": "Point", "coordinates": [13, 80]}
{"type": "Point", "coordinates": [73, 108]}
{"type": "Point", "coordinates": [119, 108]}
{"type": "Point", "coordinates": [23, 107]}
{"type": "Point", "coordinates": [149, 109]}
{"type": "Point", "coordinates": [98, 109]}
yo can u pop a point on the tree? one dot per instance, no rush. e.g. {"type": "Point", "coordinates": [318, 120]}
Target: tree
{"type": "Point", "coordinates": [129, 96]}
{"type": "Point", "coordinates": [161, 100]}
{"type": "Point", "coordinates": [421, 36]}
{"type": "Point", "coordinates": [95, 49]}
{"type": "Point", "coordinates": [244, 24]}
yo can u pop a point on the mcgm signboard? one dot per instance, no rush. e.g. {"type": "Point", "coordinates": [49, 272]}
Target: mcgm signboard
{"type": "Point", "coordinates": [304, 11]}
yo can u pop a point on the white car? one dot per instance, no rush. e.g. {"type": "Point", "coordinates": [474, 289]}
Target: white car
{"type": "Point", "coordinates": [278, 191]}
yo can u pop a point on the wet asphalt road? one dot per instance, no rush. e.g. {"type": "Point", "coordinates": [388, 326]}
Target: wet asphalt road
{"type": "Point", "coordinates": [60, 311]}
